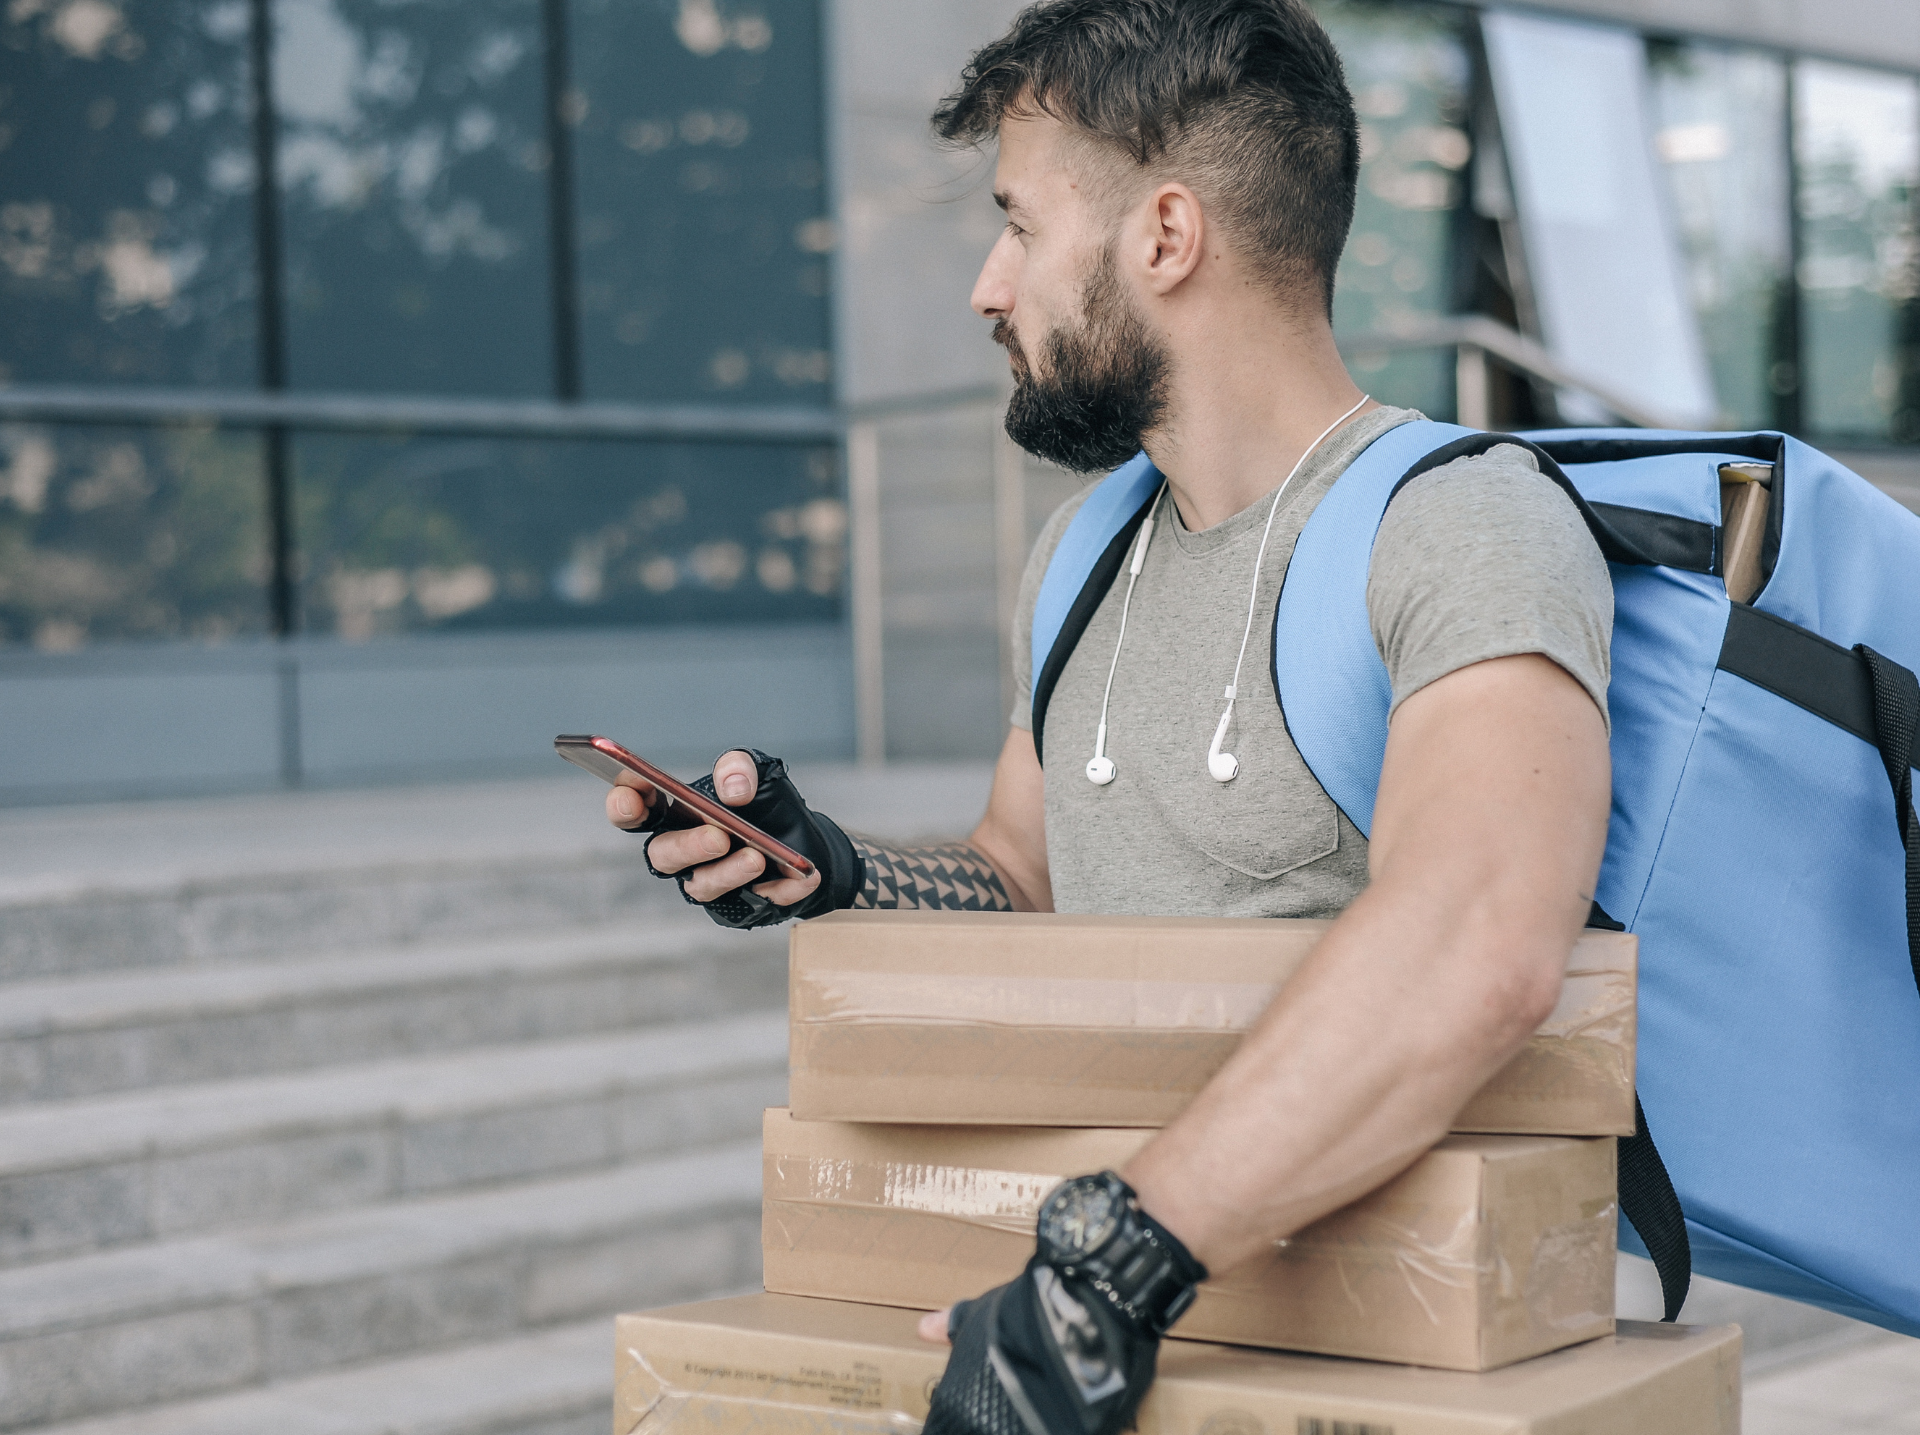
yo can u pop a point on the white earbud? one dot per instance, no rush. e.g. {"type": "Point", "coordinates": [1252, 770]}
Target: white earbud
{"type": "Point", "coordinates": [1100, 766]}
{"type": "Point", "coordinates": [1222, 766]}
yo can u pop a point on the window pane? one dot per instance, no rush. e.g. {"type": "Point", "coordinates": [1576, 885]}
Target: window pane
{"type": "Point", "coordinates": [1408, 70]}
{"type": "Point", "coordinates": [703, 238]}
{"type": "Point", "coordinates": [126, 193]}
{"type": "Point", "coordinates": [1721, 136]}
{"type": "Point", "coordinates": [413, 534]}
{"type": "Point", "coordinates": [1602, 252]}
{"type": "Point", "coordinates": [1857, 146]}
{"type": "Point", "coordinates": [412, 170]}
{"type": "Point", "coordinates": [110, 533]}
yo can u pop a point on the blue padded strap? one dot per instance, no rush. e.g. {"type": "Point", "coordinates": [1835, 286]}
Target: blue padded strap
{"type": "Point", "coordinates": [1106, 511]}
{"type": "Point", "coordinates": [1333, 688]}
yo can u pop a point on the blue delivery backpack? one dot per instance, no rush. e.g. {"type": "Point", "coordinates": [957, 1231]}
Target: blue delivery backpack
{"type": "Point", "coordinates": [1753, 845]}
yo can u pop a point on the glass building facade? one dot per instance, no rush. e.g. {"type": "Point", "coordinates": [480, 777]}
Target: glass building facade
{"type": "Point", "coordinates": [502, 200]}
{"type": "Point", "coordinates": [534, 298]}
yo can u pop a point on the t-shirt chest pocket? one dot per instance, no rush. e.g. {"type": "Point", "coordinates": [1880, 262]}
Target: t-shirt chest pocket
{"type": "Point", "coordinates": [1271, 818]}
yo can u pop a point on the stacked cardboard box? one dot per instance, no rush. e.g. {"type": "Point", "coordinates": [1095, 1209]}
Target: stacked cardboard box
{"type": "Point", "coordinates": [949, 1069]}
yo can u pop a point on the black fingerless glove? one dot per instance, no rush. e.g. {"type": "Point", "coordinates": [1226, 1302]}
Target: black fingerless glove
{"type": "Point", "coordinates": [1069, 1347]}
{"type": "Point", "coordinates": [779, 811]}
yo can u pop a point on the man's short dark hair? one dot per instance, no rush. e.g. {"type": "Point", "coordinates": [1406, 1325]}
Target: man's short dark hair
{"type": "Point", "coordinates": [1245, 100]}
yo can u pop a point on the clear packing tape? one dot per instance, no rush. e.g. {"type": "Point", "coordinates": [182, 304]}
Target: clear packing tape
{"type": "Point", "coordinates": [889, 1045]}
{"type": "Point", "coordinates": [1488, 1249]}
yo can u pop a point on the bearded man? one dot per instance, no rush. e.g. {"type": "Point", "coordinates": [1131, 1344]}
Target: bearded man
{"type": "Point", "coordinates": [1178, 179]}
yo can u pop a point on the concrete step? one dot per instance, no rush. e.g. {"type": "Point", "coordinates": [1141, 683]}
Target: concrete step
{"type": "Point", "coordinates": [556, 1382]}
{"type": "Point", "coordinates": [287, 874]}
{"type": "Point", "coordinates": [124, 1329]}
{"type": "Point", "coordinates": [78, 1036]}
{"type": "Point", "coordinates": [80, 1175]}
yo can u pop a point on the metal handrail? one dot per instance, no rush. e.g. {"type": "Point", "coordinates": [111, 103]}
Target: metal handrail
{"type": "Point", "coordinates": [1475, 338]}
{"type": "Point", "coordinates": [383, 413]}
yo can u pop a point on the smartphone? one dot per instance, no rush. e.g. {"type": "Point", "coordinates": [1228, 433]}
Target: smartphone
{"type": "Point", "coordinates": [607, 760]}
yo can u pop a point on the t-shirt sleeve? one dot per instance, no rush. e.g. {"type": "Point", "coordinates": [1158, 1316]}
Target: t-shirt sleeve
{"type": "Point", "coordinates": [1485, 558]}
{"type": "Point", "coordinates": [1022, 714]}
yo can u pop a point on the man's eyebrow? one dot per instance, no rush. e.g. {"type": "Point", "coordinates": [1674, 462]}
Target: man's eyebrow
{"type": "Point", "coordinates": [1008, 203]}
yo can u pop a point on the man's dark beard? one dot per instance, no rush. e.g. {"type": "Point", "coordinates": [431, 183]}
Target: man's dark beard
{"type": "Point", "coordinates": [1105, 385]}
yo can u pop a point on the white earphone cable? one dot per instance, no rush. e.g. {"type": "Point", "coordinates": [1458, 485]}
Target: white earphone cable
{"type": "Point", "coordinates": [1253, 596]}
{"type": "Point", "coordinates": [1099, 763]}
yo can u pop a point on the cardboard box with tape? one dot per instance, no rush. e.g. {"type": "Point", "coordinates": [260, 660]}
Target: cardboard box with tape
{"type": "Point", "coordinates": [770, 1364]}
{"type": "Point", "coordinates": [1486, 1251]}
{"type": "Point", "coordinates": [1055, 1020]}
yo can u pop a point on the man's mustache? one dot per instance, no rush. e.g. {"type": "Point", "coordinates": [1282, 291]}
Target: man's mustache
{"type": "Point", "coordinates": [1004, 336]}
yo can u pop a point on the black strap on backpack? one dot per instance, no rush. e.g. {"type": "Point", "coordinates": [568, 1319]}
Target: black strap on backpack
{"type": "Point", "coordinates": [1896, 720]}
{"type": "Point", "coordinates": [1647, 1197]}
{"type": "Point", "coordinates": [1649, 1201]}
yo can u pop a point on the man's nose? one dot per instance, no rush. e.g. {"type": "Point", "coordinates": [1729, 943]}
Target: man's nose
{"type": "Point", "coordinates": [993, 290]}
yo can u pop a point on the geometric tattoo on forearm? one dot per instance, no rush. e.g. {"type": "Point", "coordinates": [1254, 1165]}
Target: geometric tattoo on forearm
{"type": "Point", "coordinates": [951, 876]}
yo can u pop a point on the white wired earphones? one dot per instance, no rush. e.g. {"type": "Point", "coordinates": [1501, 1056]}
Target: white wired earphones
{"type": "Point", "coordinates": [1100, 766]}
{"type": "Point", "coordinates": [1221, 766]}
{"type": "Point", "coordinates": [1224, 766]}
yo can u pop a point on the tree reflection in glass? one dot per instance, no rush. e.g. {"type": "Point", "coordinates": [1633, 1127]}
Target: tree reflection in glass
{"type": "Point", "coordinates": [1408, 69]}
{"type": "Point", "coordinates": [126, 182]}
{"type": "Point", "coordinates": [703, 231]}
{"type": "Point", "coordinates": [411, 534]}
{"type": "Point", "coordinates": [1721, 137]}
{"type": "Point", "coordinates": [412, 161]}
{"type": "Point", "coordinates": [1857, 148]}
{"type": "Point", "coordinates": [111, 533]}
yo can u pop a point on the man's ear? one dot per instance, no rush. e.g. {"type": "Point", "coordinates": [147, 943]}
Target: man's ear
{"type": "Point", "coordinates": [1175, 236]}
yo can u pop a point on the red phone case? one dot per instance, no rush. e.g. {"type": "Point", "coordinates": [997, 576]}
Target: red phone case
{"type": "Point", "coordinates": [604, 758]}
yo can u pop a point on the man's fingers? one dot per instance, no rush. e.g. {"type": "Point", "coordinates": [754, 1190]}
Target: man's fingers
{"type": "Point", "coordinates": [672, 852]}
{"type": "Point", "coordinates": [933, 1327]}
{"type": "Point", "coordinates": [736, 778]}
{"type": "Point", "coordinates": [716, 879]}
{"type": "Point", "coordinates": [785, 891]}
{"type": "Point", "coordinates": [625, 807]}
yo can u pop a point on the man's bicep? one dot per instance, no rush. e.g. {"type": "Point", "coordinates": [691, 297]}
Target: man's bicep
{"type": "Point", "coordinates": [1494, 798]}
{"type": "Point", "coordinates": [1013, 834]}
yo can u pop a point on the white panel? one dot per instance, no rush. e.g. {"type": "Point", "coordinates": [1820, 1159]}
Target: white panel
{"type": "Point", "coordinates": [1602, 250]}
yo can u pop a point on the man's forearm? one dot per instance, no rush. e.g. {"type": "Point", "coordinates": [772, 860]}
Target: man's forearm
{"type": "Point", "coordinates": [1488, 832]}
{"type": "Point", "coordinates": [953, 876]}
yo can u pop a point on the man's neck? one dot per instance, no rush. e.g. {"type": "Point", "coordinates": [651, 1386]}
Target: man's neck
{"type": "Point", "coordinates": [1243, 410]}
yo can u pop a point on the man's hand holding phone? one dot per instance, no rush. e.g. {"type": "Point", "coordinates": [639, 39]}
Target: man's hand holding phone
{"type": "Point", "coordinates": [704, 858]}
{"type": "Point", "coordinates": [742, 843]}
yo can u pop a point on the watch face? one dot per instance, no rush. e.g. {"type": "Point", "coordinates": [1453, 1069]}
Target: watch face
{"type": "Point", "coordinates": [1081, 1217]}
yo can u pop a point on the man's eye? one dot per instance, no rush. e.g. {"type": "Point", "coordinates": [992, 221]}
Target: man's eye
{"type": "Point", "coordinates": [1015, 230]}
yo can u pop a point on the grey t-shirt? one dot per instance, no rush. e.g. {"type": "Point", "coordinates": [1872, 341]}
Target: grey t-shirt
{"type": "Point", "coordinates": [1484, 558]}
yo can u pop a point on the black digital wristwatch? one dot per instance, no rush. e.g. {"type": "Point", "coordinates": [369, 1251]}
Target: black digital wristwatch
{"type": "Point", "coordinates": [1092, 1228]}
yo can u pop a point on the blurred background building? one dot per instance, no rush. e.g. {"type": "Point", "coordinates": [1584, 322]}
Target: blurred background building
{"type": "Point", "coordinates": [606, 363]}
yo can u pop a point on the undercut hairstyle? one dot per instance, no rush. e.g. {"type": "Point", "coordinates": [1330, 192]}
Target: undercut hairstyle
{"type": "Point", "coordinates": [1244, 100]}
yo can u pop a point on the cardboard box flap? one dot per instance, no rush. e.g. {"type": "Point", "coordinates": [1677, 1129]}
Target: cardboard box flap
{"type": "Point", "coordinates": [771, 1364]}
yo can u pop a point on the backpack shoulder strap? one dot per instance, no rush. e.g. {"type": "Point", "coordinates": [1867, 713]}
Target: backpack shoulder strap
{"type": "Point", "coordinates": [1333, 688]}
{"type": "Point", "coordinates": [1089, 557]}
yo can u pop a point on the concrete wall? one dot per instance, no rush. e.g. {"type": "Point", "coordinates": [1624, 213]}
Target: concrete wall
{"type": "Point", "coordinates": [146, 722]}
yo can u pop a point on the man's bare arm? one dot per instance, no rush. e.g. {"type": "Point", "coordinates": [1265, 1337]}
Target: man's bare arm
{"type": "Point", "coordinates": [1488, 832]}
{"type": "Point", "coordinates": [1001, 867]}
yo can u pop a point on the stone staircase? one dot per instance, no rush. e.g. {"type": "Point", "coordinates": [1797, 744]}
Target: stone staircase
{"type": "Point", "coordinates": [362, 1114]}
{"type": "Point", "coordinates": [355, 1140]}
